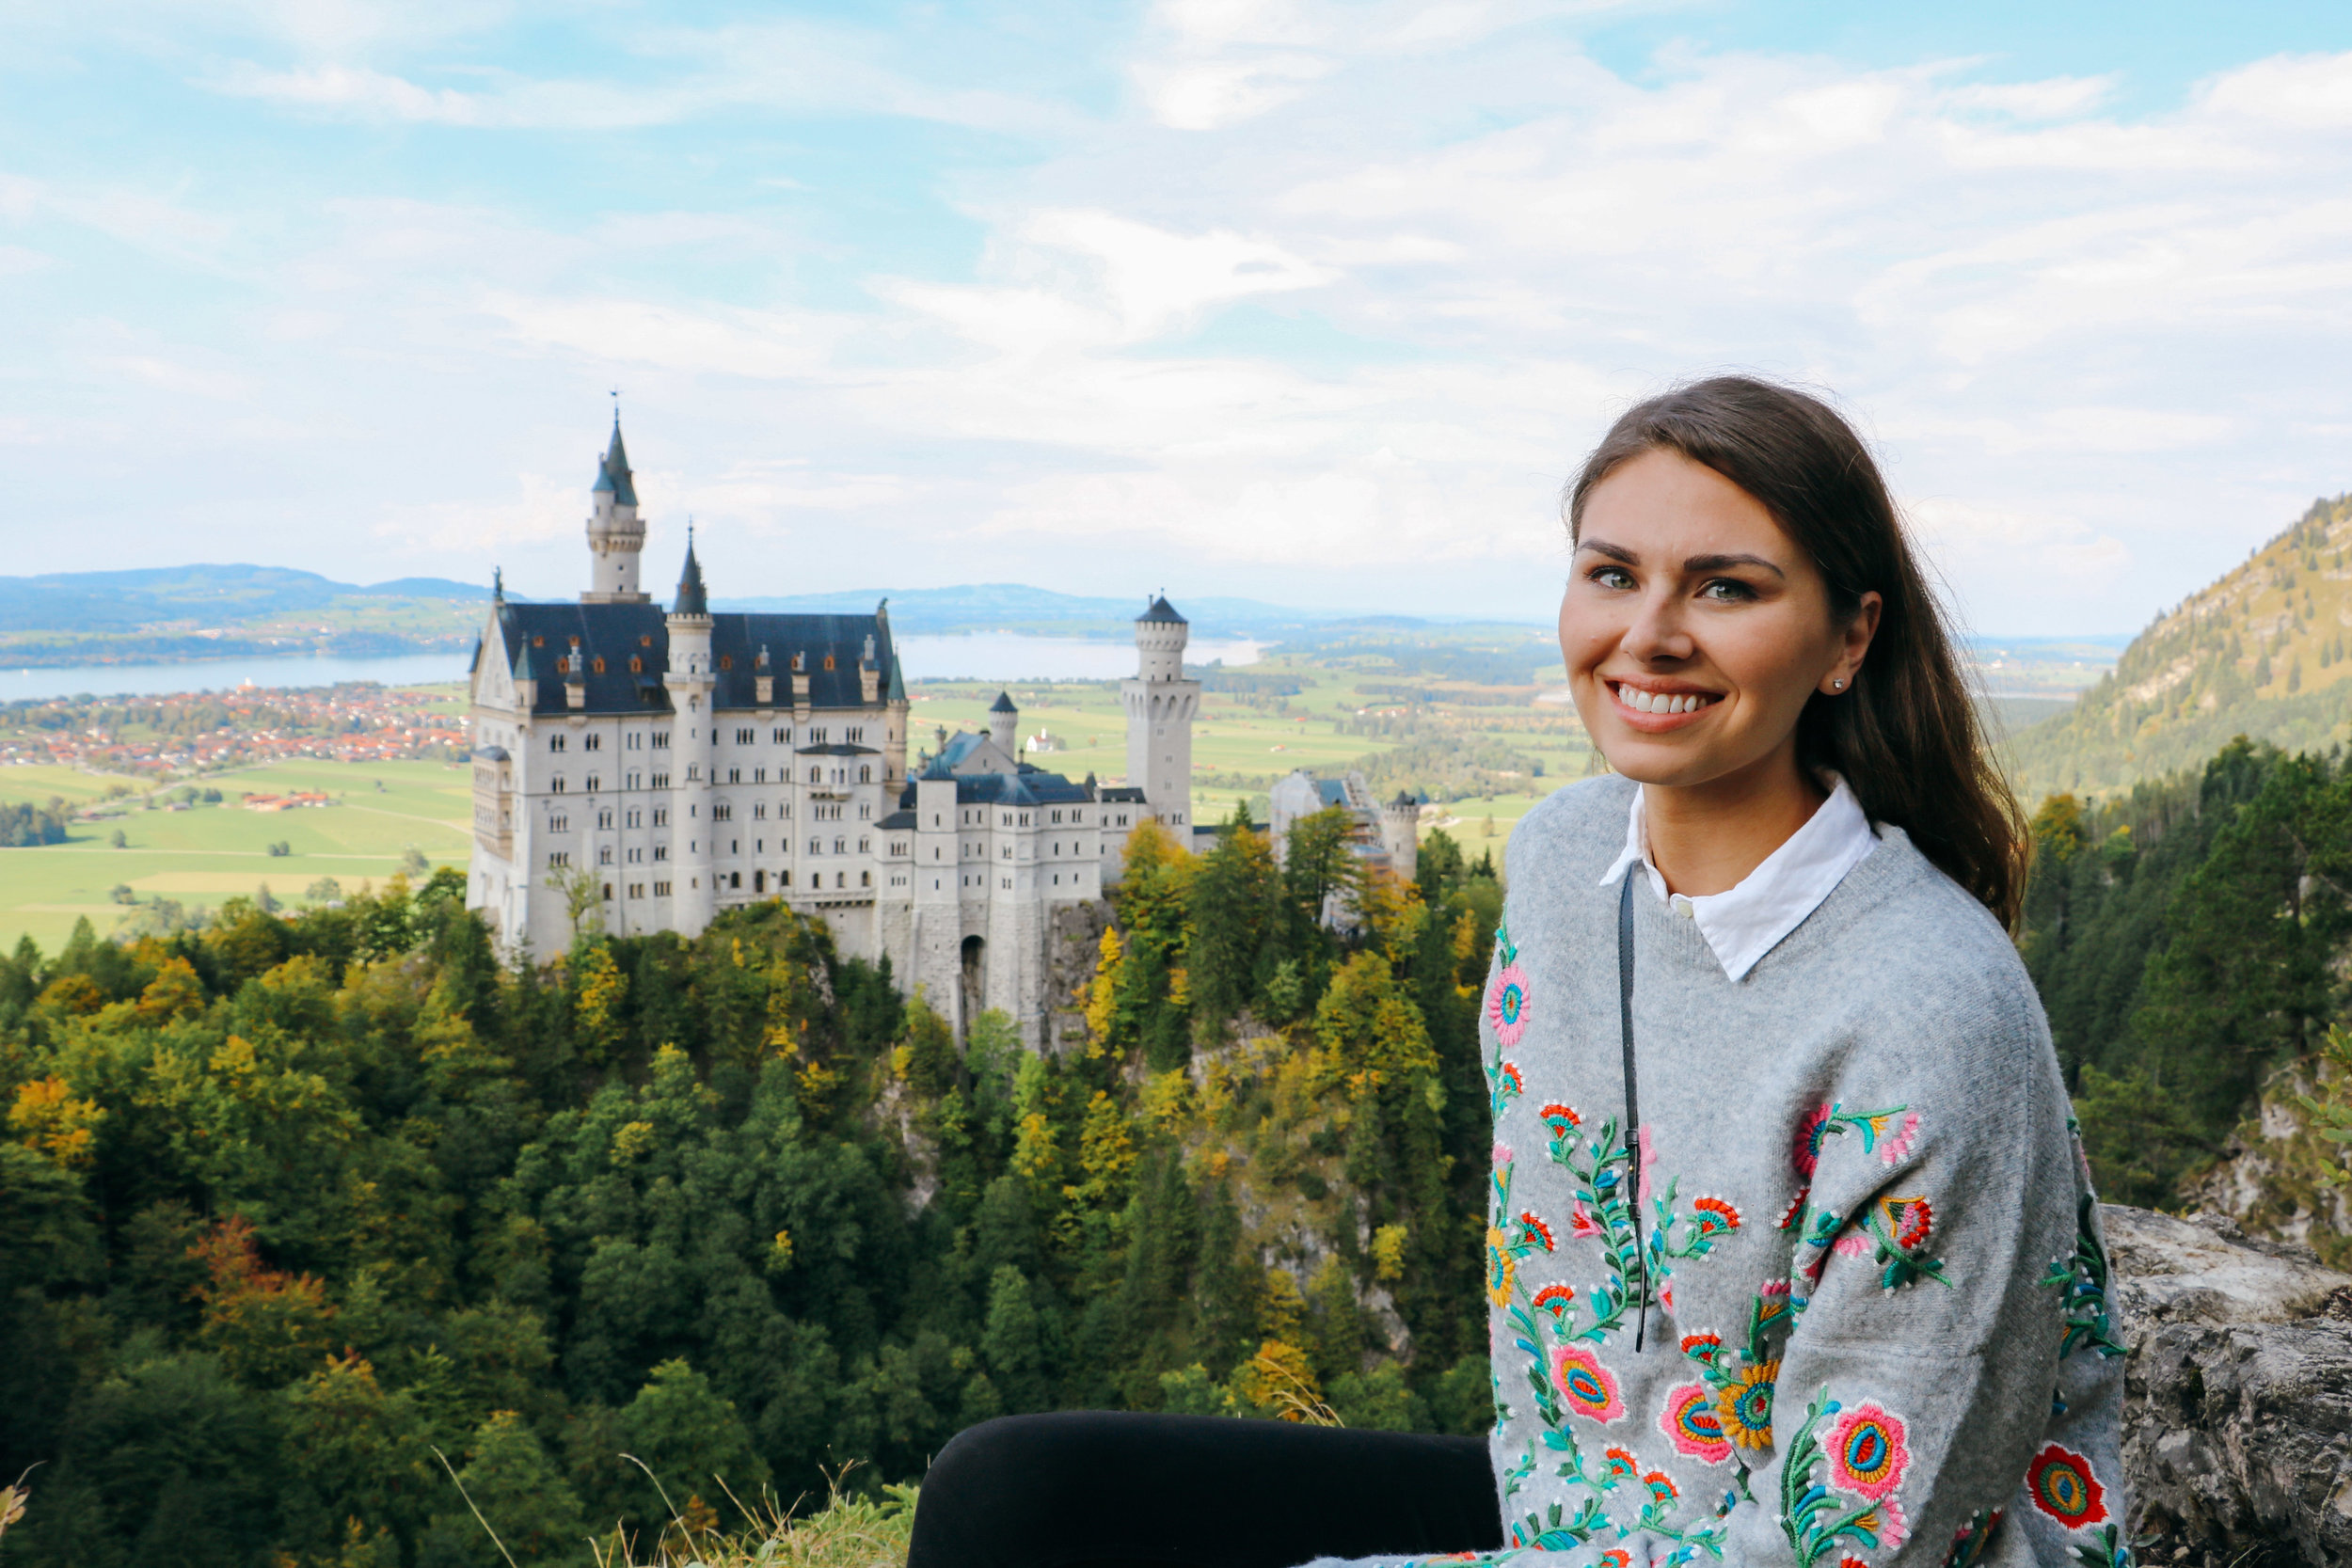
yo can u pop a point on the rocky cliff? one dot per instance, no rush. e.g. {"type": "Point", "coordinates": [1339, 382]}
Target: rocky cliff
{"type": "Point", "coordinates": [2238, 1415]}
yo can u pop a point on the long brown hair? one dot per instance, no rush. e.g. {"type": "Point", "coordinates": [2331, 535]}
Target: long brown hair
{"type": "Point", "coordinates": [1906, 737]}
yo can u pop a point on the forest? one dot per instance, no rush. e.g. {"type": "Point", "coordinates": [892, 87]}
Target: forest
{"type": "Point", "coordinates": [307, 1219]}
{"type": "Point", "coordinates": [293, 1207]}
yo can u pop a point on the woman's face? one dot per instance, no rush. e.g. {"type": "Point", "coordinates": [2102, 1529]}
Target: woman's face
{"type": "Point", "coordinates": [1694, 628]}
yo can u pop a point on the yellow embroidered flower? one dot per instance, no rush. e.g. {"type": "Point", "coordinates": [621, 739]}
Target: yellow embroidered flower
{"type": "Point", "coordinates": [1503, 1270]}
{"type": "Point", "coordinates": [1745, 1408]}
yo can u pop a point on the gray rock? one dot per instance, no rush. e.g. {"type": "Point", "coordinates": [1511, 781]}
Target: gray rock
{"type": "Point", "coordinates": [2237, 1421]}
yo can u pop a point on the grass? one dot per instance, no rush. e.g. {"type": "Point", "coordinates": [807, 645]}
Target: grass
{"type": "Point", "coordinates": [853, 1530]}
{"type": "Point", "coordinates": [211, 854]}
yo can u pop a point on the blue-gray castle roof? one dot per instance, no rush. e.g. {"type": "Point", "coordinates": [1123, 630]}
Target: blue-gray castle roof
{"type": "Point", "coordinates": [611, 635]}
{"type": "Point", "coordinates": [1162, 610]}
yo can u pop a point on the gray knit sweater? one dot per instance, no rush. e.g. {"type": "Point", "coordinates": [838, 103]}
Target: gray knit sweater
{"type": "Point", "coordinates": [1879, 1332]}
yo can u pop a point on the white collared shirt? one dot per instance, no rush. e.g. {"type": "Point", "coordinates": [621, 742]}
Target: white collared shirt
{"type": "Point", "coordinates": [1744, 923]}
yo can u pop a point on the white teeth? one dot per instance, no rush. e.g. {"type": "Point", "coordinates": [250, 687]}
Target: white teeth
{"type": "Point", "coordinates": [1658, 701]}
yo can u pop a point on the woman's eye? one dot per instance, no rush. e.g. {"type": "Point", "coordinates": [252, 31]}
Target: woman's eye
{"type": "Point", "coordinates": [1728, 591]}
{"type": "Point", "coordinates": [1612, 577]}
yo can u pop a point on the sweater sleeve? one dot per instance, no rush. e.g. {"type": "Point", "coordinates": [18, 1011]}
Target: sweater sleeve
{"type": "Point", "coordinates": [1948, 1388]}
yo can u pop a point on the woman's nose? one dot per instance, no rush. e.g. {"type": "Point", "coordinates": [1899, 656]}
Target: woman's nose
{"type": "Point", "coordinates": [1658, 631]}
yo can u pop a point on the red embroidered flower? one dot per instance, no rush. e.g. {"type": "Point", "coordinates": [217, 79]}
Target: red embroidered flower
{"type": "Point", "coordinates": [1558, 1300]}
{"type": "Point", "coordinates": [1538, 1229]}
{"type": "Point", "coordinates": [1661, 1487]}
{"type": "Point", "coordinates": [2064, 1488]}
{"type": "Point", "coordinates": [1867, 1452]}
{"type": "Point", "coordinates": [1701, 1347]}
{"type": "Point", "coordinates": [1909, 1220]}
{"type": "Point", "coordinates": [1561, 1119]}
{"type": "Point", "coordinates": [1618, 1463]}
{"type": "Point", "coordinates": [1807, 1153]}
{"type": "Point", "coordinates": [1618, 1556]}
{"type": "Point", "coordinates": [1715, 1215]}
{"type": "Point", "coordinates": [1509, 1072]}
{"type": "Point", "coordinates": [1796, 1206]}
{"type": "Point", "coordinates": [1581, 1223]}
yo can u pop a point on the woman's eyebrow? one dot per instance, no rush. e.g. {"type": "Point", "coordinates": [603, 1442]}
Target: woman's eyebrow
{"type": "Point", "coordinates": [1697, 563]}
{"type": "Point", "coordinates": [1615, 553]}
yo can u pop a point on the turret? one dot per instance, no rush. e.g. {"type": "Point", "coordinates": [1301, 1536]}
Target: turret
{"type": "Point", "coordinates": [894, 703]}
{"type": "Point", "coordinates": [689, 680]}
{"type": "Point", "coordinates": [526, 680]}
{"type": "Point", "coordinates": [1160, 705]}
{"type": "Point", "coordinates": [616, 536]}
{"type": "Point", "coordinates": [1004, 726]}
{"type": "Point", "coordinates": [1400, 832]}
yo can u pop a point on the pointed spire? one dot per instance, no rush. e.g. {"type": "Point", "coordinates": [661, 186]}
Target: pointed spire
{"type": "Point", "coordinates": [497, 585]}
{"type": "Point", "coordinates": [613, 470]}
{"type": "Point", "coordinates": [524, 671]}
{"type": "Point", "coordinates": [692, 599]}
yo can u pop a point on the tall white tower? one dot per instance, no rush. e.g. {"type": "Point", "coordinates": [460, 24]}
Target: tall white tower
{"type": "Point", "coordinates": [615, 534]}
{"type": "Point", "coordinates": [1160, 707]}
{"type": "Point", "coordinates": [694, 889]}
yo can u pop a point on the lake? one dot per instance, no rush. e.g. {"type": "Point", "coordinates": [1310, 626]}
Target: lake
{"type": "Point", "coordinates": [981, 655]}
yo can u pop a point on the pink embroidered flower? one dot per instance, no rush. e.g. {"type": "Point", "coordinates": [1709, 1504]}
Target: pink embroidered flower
{"type": "Point", "coordinates": [1690, 1424]}
{"type": "Point", "coordinates": [1666, 1300]}
{"type": "Point", "coordinates": [1506, 1004]}
{"type": "Point", "coordinates": [1502, 1155]}
{"type": "Point", "coordinates": [1806, 1153]}
{"type": "Point", "coordinates": [1773, 1288]}
{"type": "Point", "coordinates": [1587, 1386]}
{"type": "Point", "coordinates": [1581, 1222]}
{"type": "Point", "coordinates": [1850, 1243]}
{"type": "Point", "coordinates": [1898, 1143]}
{"type": "Point", "coordinates": [1649, 1158]}
{"type": "Point", "coordinates": [1867, 1452]}
{"type": "Point", "coordinates": [1909, 1220]}
{"type": "Point", "coordinates": [1894, 1528]}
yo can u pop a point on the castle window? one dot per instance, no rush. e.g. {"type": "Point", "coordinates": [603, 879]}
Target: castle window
{"type": "Point", "coordinates": [817, 736]}
{"type": "Point", "coordinates": [828, 661]}
{"type": "Point", "coordinates": [866, 879]}
{"type": "Point", "coordinates": [660, 817]}
{"type": "Point", "coordinates": [735, 775]}
{"type": "Point", "coordinates": [866, 811]}
{"type": "Point", "coordinates": [591, 743]}
{"type": "Point", "coordinates": [760, 811]}
{"type": "Point", "coordinates": [782, 738]}
{"type": "Point", "coordinates": [661, 890]}
{"type": "Point", "coordinates": [783, 879]}
{"type": "Point", "coordinates": [636, 818]}
{"type": "Point", "coordinates": [634, 742]}
{"type": "Point", "coordinates": [840, 845]}
{"type": "Point", "coordinates": [636, 857]}
{"type": "Point", "coordinates": [557, 783]}
{"type": "Point", "coordinates": [816, 847]}
{"type": "Point", "coordinates": [1057, 819]}
{"type": "Point", "coordinates": [723, 812]}
{"type": "Point", "coordinates": [865, 774]}
{"type": "Point", "coordinates": [693, 771]}
{"type": "Point", "coordinates": [555, 743]}
{"type": "Point", "coordinates": [727, 661]}
{"type": "Point", "coordinates": [865, 846]}
{"type": "Point", "coordinates": [760, 775]}
{"type": "Point", "coordinates": [661, 781]}
{"type": "Point", "coordinates": [558, 859]}
{"type": "Point", "coordinates": [594, 779]}
{"type": "Point", "coordinates": [604, 856]}
{"type": "Point", "coordinates": [734, 881]}
{"type": "Point", "coordinates": [854, 735]}
{"type": "Point", "coordinates": [597, 665]}
{"type": "Point", "coordinates": [747, 738]}
{"type": "Point", "coordinates": [645, 642]}
{"type": "Point", "coordinates": [784, 810]}
{"type": "Point", "coordinates": [1025, 818]}
{"type": "Point", "coordinates": [636, 665]}
{"type": "Point", "coordinates": [661, 741]}
{"type": "Point", "coordinates": [636, 889]}
{"type": "Point", "coordinates": [604, 820]}
{"type": "Point", "coordinates": [816, 775]}
{"type": "Point", "coordinates": [1008, 852]}
{"type": "Point", "coordinates": [662, 851]}
{"type": "Point", "coordinates": [538, 641]}
{"type": "Point", "coordinates": [559, 823]}
{"type": "Point", "coordinates": [1008, 816]}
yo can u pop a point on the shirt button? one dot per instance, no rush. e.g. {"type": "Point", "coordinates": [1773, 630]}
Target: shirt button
{"type": "Point", "coordinates": [1682, 907]}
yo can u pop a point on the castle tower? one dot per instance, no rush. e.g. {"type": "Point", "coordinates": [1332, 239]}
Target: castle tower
{"type": "Point", "coordinates": [1160, 705]}
{"type": "Point", "coordinates": [1004, 726]}
{"type": "Point", "coordinates": [693, 888]}
{"type": "Point", "coordinates": [894, 706]}
{"type": "Point", "coordinates": [1400, 833]}
{"type": "Point", "coordinates": [616, 536]}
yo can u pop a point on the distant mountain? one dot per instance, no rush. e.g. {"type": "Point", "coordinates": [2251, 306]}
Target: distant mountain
{"type": "Point", "coordinates": [2262, 652]}
{"type": "Point", "coordinates": [1016, 606]}
{"type": "Point", "coordinates": [90, 601]}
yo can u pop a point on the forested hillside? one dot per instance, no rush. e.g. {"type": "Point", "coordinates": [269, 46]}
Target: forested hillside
{"type": "Point", "coordinates": [2261, 652]}
{"type": "Point", "coordinates": [290, 1203]}
{"type": "Point", "coordinates": [2189, 941]}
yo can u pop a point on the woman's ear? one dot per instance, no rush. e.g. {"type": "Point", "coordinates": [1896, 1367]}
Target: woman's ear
{"type": "Point", "coordinates": [1854, 643]}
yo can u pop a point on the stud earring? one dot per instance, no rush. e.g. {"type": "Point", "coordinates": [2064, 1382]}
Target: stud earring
{"type": "Point", "coordinates": [1838, 685]}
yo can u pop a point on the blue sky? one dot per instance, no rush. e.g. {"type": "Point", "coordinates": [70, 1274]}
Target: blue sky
{"type": "Point", "coordinates": [1310, 302]}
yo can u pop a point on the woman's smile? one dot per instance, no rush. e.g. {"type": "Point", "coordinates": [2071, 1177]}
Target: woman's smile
{"type": "Point", "coordinates": [1655, 707]}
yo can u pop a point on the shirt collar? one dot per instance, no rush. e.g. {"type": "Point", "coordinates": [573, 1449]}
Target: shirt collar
{"type": "Point", "coordinates": [1744, 923]}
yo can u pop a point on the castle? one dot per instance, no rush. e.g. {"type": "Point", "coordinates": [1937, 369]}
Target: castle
{"type": "Point", "coordinates": [645, 768]}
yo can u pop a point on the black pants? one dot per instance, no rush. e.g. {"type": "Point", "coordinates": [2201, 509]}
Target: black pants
{"type": "Point", "coordinates": [1092, 1489]}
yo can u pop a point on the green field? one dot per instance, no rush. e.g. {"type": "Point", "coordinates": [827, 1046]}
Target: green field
{"type": "Point", "coordinates": [209, 853]}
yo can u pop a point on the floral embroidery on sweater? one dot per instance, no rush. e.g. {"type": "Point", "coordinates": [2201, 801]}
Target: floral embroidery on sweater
{"type": "Point", "coordinates": [2082, 1282]}
{"type": "Point", "coordinates": [1866, 1456]}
